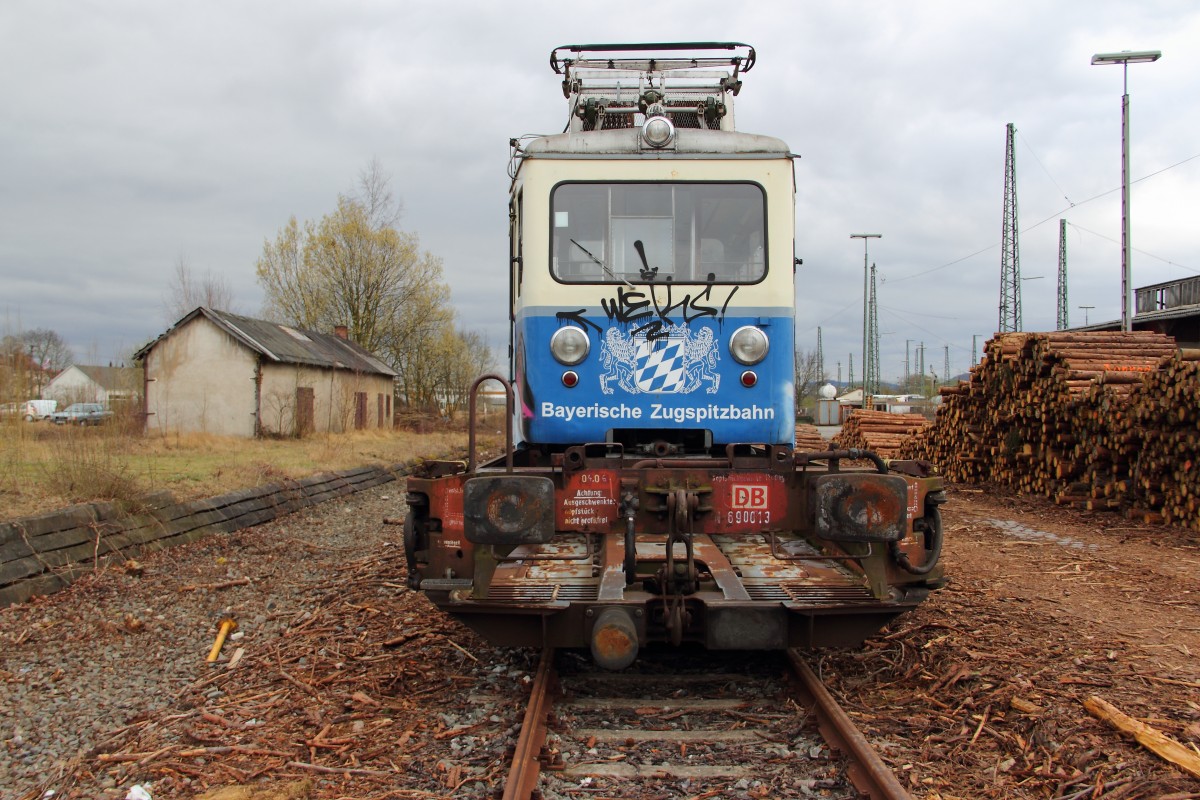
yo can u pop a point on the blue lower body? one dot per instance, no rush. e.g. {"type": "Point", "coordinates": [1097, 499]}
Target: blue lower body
{"type": "Point", "coordinates": [667, 377]}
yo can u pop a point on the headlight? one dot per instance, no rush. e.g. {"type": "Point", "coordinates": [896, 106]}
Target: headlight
{"type": "Point", "coordinates": [569, 345]}
{"type": "Point", "coordinates": [748, 345]}
{"type": "Point", "coordinates": [658, 131]}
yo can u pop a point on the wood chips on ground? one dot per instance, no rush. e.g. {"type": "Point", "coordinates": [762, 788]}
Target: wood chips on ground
{"type": "Point", "coordinates": [365, 691]}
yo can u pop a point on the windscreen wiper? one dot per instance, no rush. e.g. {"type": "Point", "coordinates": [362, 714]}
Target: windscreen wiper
{"type": "Point", "coordinates": [603, 266]}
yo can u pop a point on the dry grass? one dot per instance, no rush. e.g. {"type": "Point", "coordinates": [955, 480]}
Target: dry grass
{"type": "Point", "coordinates": [43, 466]}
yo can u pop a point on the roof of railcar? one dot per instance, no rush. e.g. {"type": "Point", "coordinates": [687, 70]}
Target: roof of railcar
{"type": "Point", "coordinates": [624, 143]}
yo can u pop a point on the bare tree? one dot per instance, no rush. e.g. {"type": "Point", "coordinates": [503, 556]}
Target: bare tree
{"type": "Point", "coordinates": [807, 377]}
{"type": "Point", "coordinates": [14, 370]}
{"type": "Point", "coordinates": [291, 295]}
{"type": "Point", "coordinates": [185, 292]}
{"type": "Point", "coordinates": [422, 367]}
{"type": "Point", "coordinates": [468, 357]}
{"type": "Point", "coordinates": [48, 355]}
{"type": "Point", "coordinates": [29, 360]}
{"type": "Point", "coordinates": [374, 194]}
{"type": "Point", "coordinates": [48, 349]}
{"type": "Point", "coordinates": [354, 268]}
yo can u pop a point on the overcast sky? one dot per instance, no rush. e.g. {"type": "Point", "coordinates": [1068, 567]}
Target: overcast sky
{"type": "Point", "coordinates": [134, 134]}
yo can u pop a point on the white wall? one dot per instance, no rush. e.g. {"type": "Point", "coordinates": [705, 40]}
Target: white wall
{"type": "Point", "coordinates": [333, 398]}
{"type": "Point", "coordinates": [73, 386]}
{"type": "Point", "coordinates": [200, 379]}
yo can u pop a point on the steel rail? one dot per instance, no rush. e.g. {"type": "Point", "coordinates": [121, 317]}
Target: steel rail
{"type": "Point", "coordinates": [867, 771]}
{"type": "Point", "coordinates": [527, 762]}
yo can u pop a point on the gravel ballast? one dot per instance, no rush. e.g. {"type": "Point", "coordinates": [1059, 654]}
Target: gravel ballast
{"type": "Point", "coordinates": [112, 670]}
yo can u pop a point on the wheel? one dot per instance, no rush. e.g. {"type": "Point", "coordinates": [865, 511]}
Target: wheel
{"type": "Point", "coordinates": [83, 423]}
{"type": "Point", "coordinates": [29, 417]}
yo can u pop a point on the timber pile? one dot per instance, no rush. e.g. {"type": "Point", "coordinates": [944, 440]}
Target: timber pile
{"type": "Point", "coordinates": [1098, 420]}
{"type": "Point", "coordinates": [1166, 411]}
{"type": "Point", "coordinates": [881, 432]}
{"type": "Point", "coordinates": [809, 439]}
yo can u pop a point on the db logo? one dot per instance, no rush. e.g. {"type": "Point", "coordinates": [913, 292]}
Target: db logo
{"type": "Point", "coordinates": [749, 496]}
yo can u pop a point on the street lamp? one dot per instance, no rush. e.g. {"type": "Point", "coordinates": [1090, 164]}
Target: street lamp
{"type": "Point", "coordinates": [1125, 58]}
{"type": "Point", "coordinates": [865, 237]}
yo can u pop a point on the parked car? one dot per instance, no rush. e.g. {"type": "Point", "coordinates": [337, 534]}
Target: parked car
{"type": "Point", "coordinates": [33, 410]}
{"type": "Point", "coordinates": [82, 414]}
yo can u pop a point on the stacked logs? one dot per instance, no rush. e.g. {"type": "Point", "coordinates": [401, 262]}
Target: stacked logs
{"type": "Point", "coordinates": [1165, 481]}
{"type": "Point", "coordinates": [963, 439]}
{"type": "Point", "coordinates": [809, 439]}
{"type": "Point", "coordinates": [880, 431]}
{"type": "Point", "coordinates": [1099, 420]}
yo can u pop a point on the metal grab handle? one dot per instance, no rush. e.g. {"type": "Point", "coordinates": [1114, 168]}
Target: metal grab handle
{"type": "Point", "coordinates": [837, 455]}
{"type": "Point", "coordinates": [508, 421]}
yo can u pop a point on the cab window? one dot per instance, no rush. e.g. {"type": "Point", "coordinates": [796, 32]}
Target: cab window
{"type": "Point", "coordinates": [681, 232]}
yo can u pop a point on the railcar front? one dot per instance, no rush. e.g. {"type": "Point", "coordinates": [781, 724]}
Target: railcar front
{"type": "Point", "coordinates": [650, 490]}
{"type": "Point", "coordinates": [653, 306]}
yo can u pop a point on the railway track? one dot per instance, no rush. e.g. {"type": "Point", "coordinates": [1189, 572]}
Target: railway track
{"type": "Point", "coordinates": [690, 724]}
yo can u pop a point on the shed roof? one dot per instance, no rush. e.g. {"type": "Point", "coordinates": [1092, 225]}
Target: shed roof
{"type": "Point", "coordinates": [284, 344]}
{"type": "Point", "coordinates": [852, 397]}
{"type": "Point", "coordinates": [110, 378]}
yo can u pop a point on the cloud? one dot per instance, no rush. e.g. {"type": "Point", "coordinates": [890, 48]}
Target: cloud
{"type": "Point", "coordinates": [136, 134]}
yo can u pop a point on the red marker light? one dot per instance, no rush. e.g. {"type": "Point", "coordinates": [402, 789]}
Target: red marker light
{"type": "Point", "coordinates": [749, 378]}
{"type": "Point", "coordinates": [570, 379]}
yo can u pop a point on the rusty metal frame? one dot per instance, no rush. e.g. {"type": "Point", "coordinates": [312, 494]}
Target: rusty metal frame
{"type": "Point", "coordinates": [819, 557]}
{"type": "Point", "coordinates": [576, 458]}
{"type": "Point", "coordinates": [590, 555]}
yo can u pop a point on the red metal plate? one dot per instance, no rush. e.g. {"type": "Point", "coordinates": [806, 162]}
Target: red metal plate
{"type": "Point", "coordinates": [589, 500]}
{"type": "Point", "coordinates": [748, 501]}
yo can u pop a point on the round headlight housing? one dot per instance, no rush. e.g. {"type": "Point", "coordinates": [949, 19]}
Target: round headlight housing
{"type": "Point", "coordinates": [569, 346]}
{"type": "Point", "coordinates": [658, 132]}
{"type": "Point", "coordinates": [748, 345]}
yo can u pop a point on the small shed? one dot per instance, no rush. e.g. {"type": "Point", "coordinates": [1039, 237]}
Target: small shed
{"type": "Point", "coordinates": [848, 402]}
{"type": "Point", "coordinates": [113, 387]}
{"type": "Point", "coordinates": [827, 406]}
{"type": "Point", "coordinates": [222, 373]}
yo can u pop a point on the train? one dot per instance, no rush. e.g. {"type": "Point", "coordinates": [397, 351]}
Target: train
{"type": "Point", "coordinates": [650, 490]}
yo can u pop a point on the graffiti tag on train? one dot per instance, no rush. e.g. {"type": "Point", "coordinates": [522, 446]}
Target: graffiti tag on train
{"type": "Point", "coordinates": [656, 316]}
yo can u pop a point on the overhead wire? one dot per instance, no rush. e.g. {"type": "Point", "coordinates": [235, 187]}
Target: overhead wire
{"type": "Point", "coordinates": [936, 336]}
{"type": "Point", "coordinates": [1029, 147]}
{"type": "Point", "coordinates": [1026, 229]}
{"type": "Point", "coordinates": [838, 313]}
{"type": "Point", "coordinates": [925, 314]}
{"type": "Point", "coordinates": [943, 342]}
{"type": "Point", "coordinates": [1136, 249]}
{"type": "Point", "coordinates": [1055, 215]}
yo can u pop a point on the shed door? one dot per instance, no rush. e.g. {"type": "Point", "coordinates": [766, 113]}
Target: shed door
{"type": "Point", "coordinates": [360, 410]}
{"type": "Point", "coordinates": [304, 410]}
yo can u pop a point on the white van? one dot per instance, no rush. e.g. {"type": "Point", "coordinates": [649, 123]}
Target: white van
{"type": "Point", "coordinates": [38, 409]}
